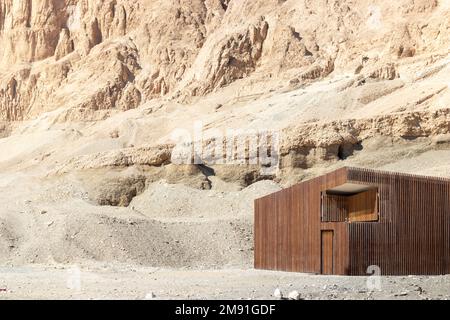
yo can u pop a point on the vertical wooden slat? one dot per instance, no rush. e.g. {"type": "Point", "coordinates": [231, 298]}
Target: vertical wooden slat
{"type": "Point", "coordinates": [412, 235]}
{"type": "Point", "coordinates": [416, 238]}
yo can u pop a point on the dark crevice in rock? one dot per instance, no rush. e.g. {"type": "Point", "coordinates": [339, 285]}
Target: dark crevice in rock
{"type": "Point", "coordinates": [346, 150]}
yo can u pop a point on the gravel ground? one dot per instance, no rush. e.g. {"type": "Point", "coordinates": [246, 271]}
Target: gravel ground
{"type": "Point", "coordinates": [126, 282]}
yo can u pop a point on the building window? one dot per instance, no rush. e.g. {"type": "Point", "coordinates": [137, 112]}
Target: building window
{"type": "Point", "coordinates": [350, 204]}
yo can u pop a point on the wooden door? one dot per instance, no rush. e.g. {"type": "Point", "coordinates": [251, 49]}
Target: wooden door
{"type": "Point", "coordinates": [327, 252]}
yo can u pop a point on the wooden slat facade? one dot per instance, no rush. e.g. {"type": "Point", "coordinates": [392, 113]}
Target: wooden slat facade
{"type": "Point", "coordinates": [334, 207]}
{"type": "Point", "coordinates": [288, 229]}
{"type": "Point", "coordinates": [411, 234]}
{"type": "Point", "coordinates": [363, 207]}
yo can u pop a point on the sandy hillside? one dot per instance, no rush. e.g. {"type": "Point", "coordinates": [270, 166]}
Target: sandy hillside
{"type": "Point", "coordinates": [99, 101]}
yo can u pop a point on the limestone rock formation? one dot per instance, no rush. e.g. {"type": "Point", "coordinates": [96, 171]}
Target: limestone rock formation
{"type": "Point", "coordinates": [142, 50]}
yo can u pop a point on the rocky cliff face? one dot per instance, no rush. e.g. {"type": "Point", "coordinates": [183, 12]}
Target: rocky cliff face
{"type": "Point", "coordinates": [135, 51]}
{"type": "Point", "coordinates": [247, 64]}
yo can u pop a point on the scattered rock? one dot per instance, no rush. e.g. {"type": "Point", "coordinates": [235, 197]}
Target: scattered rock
{"type": "Point", "coordinates": [362, 291]}
{"type": "Point", "coordinates": [120, 191]}
{"type": "Point", "coordinates": [294, 295]}
{"type": "Point", "coordinates": [114, 134]}
{"type": "Point", "coordinates": [150, 296]}
{"type": "Point", "coordinates": [278, 294]}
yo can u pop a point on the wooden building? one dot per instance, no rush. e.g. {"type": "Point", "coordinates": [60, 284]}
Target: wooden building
{"type": "Point", "coordinates": [350, 219]}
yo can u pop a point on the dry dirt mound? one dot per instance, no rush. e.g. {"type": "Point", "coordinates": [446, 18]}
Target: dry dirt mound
{"type": "Point", "coordinates": [168, 225]}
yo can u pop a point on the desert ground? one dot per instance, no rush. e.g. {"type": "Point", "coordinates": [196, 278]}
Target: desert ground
{"type": "Point", "coordinates": [105, 281]}
{"type": "Point", "coordinates": [105, 105]}
{"type": "Point", "coordinates": [171, 242]}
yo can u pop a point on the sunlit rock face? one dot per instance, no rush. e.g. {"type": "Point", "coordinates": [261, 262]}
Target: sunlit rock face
{"type": "Point", "coordinates": [136, 51]}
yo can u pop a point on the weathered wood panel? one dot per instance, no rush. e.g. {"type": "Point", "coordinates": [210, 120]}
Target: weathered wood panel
{"type": "Point", "coordinates": [363, 206]}
{"type": "Point", "coordinates": [288, 227]}
{"type": "Point", "coordinates": [341, 246]}
{"type": "Point", "coordinates": [412, 236]}
{"type": "Point", "coordinates": [327, 252]}
{"type": "Point", "coordinates": [334, 208]}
